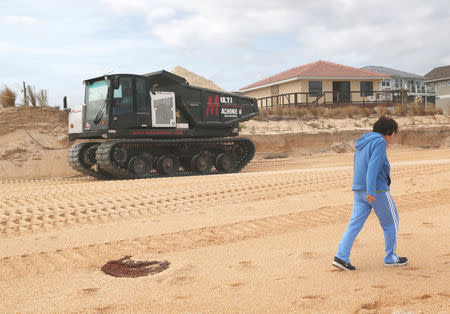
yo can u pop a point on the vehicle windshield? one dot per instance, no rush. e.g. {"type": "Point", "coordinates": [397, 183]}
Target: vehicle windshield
{"type": "Point", "coordinates": [96, 94]}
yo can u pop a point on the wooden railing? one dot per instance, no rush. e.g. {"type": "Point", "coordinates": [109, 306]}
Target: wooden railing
{"type": "Point", "coordinates": [329, 98]}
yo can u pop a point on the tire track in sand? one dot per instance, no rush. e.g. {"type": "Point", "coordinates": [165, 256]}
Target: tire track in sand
{"type": "Point", "coordinates": [46, 204]}
{"type": "Point", "coordinates": [94, 255]}
{"type": "Point", "coordinates": [24, 213]}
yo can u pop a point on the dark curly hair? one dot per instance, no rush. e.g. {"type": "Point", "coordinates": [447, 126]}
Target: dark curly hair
{"type": "Point", "coordinates": [385, 126]}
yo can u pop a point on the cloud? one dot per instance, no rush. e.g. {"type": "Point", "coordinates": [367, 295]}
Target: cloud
{"type": "Point", "coordinates": [234, 42]}
{"type": "Point", "coordinates": [343, 23]}
{"type": "Point", "coordinates": [129, 6]}
{"type": "Point", "coordinates": [6, 47]}
{"type": "Point", "coordinates": [221, 28]}
{"type": "Point", "coordinates": [20, 20]}
{"type": "Point", "coordinates": [406, 34]}
{"type": "Point", "coordinates": [216, 22]}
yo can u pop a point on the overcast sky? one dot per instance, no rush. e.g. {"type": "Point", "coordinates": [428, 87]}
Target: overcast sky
{"type": "Point", "coordinates": [55, 45]}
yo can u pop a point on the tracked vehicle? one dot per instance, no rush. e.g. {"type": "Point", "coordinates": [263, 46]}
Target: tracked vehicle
{"type": "Point", "coordinates": [140, 126]}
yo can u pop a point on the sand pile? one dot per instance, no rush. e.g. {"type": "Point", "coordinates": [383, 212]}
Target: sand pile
{"type": "Point", "coordinates": [196, 80]}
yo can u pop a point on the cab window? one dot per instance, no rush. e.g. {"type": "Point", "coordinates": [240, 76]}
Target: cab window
{"type": "Point", "coordinates": [141, 96]}
{"type": "Point", "coordinates": [123, 96]}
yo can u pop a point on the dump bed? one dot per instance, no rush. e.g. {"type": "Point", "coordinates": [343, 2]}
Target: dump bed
{"type": "Point", "coordinates": [204, 107]}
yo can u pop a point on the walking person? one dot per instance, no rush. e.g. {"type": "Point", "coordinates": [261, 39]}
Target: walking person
{"type": "Point", "coordinates": [371, 181]}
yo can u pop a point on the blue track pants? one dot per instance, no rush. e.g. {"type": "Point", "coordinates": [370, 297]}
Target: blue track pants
{"type": "Point", "coordinates": [386, 212]}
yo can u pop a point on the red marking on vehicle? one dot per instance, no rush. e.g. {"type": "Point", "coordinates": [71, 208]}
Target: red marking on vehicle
{"type": "Point", "coordinates": [233, 106]}
{"type": "Point", "coordinates": [158, 132]}
{"type": "Point", "coordinates": [213, 105]}
{"type": "Point", "coordinates": [75, 111]}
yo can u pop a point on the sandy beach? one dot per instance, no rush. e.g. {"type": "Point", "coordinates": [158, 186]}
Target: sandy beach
{"type": "Point", "coordinates": [257, 241]}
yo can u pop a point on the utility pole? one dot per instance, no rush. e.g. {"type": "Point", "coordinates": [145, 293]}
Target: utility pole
{"type": "Point", "coordinates": [25, 100]}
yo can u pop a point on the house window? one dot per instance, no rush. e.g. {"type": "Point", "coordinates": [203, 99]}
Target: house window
{"type": "Point", "coordinates": [386, 83]}
{"type": "Point", "coordinates": [366, 89]}
{"type": "Point", "coordinates": [448, 83]}
{"type": "Point", "coordinates": [315, 88]}
{"type": "Point", "coordinates": [398, 83]}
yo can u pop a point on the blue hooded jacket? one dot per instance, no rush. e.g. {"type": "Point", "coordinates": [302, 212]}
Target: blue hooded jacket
{"type": "Point", "coordinates": [371, 169]}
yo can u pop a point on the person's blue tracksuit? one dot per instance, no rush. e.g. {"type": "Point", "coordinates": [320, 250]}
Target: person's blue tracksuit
{"type": "Point", "coordinates": [371, 176]}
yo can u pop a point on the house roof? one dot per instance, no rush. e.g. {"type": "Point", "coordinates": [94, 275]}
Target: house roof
{"type": "Point", "coordinates": [393, 72]}
{"type": "Point", "coordinates": [318, 69]}
{"type": "Point", "coordinates": [438, 73]}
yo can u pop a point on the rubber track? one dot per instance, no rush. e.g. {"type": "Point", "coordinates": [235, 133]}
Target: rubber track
{"type": "Point", "coordinates": [73, 157]}
{"type": "Point", "coordinates": [104, 152]}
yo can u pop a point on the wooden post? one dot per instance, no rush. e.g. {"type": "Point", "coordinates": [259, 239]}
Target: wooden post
{"type": "Point", "coordinates": [25, 100]}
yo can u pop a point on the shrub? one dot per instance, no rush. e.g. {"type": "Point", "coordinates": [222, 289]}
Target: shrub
{"type": "Point", "coordinates": [432, 110]}
{"type": "Point", "coordinates": [400, 110]}
{"type": "Point", "coordinates": [330, 113]}
{"type": "Point", "coordinates": [31, 95]}
{"type": "Point", "coordinates": [276, 111]}
{"type": "Point", "coordinates": [7, 97]}
{"type": "Point", "coordinates": [262, 115]}
{"type": "Point", "coordinates": [42, 98]}
{"type": "Point", "coordinates": [416, 109]}
{"type": "Point", "coordinates": [301, 112]}
{"type": "Point", "coordinates": [339, 112]}
{"type": "Point", "coordinates": [383, 111]}
{"type": "Point", "coordinates": [290, 111]}
{"type": "Point", "coordinates": [366, 111]}
{"type": "Point", "coordinates": [313, 110]}
{"type": "Point", "coordinates": [350, 111]}
{"type": "Point", "coordinates": [317, 111]}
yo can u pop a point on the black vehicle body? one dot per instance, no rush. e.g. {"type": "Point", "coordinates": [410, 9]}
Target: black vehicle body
{"type": "Point", "coordinates": [157, 124]}
{"type": "Point", "coordinates": [208, 113]}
